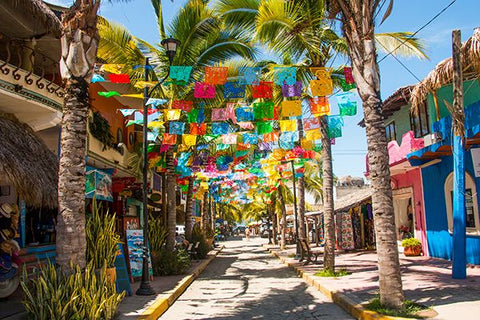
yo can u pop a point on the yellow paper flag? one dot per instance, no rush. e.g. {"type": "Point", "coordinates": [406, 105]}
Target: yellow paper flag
{"type": "Point", "coordinates": [133, 95]}
{"type": "Point", "coordinates": [313, 135]}
{"type": "Point", "coordinates": [112, 68]}
{"type": "Point", "coordinates": [292, 108]}
{"type": "Point", "coordinates": [155, 124]}
{"type": "Point", "coordinates": [288, 125]}
{"type": "Point", "coordinates": [322, 87]}
{"type": "Point", "coordinates": [172, 114]}
{"type": "Point", "coordinates": [189, 139]}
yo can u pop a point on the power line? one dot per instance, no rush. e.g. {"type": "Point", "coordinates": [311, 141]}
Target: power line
{"type": "Point", "coordinates": [403, 65]}
{"type": "Point", "coordinates": [421, 28]}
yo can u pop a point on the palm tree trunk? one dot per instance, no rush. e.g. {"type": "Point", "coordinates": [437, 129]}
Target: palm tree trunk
{"type": "Point", "coordinates": [79, 49]}
{"type": "Point", "coordinates": [164, 197]}
{"type": "Point", "coordinates": [284, 217]}
{"type": "Point", "coordinates": [274, 220]}
{"type": "Point", "coordinates": [328, 210]}
{"type": "Point", "coordinates": [301, 195]}
{"type": "Point", "coordinates": [189, 210]}
{"type": "Point", "coordinates": [358, 27]}
{"type": "Point", "coordinates": [171, 201]}
{"type": "Point", "coordinates": [204, 213]}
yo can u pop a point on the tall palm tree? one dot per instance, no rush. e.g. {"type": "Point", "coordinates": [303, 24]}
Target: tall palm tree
{"type": "Point", "coordinates": [300, 29]}
{"type": "Point", "coordinates": [189, 209]}
{"type": "Point", "coordinates": [358, 26]}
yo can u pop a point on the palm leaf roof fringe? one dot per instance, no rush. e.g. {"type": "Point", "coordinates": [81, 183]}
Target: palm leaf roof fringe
{"type": "Point", "coordinates": [39, 10]}
{"type": "Point", "coordinates": [27, 163]}
{"type": "Point", "coordinates": [442, 74]}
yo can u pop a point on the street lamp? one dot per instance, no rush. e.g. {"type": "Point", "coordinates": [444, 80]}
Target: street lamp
{"type": "Point", "coordinates": [170, 46]}
{"type": "Point", "coordinates": [297, 240]}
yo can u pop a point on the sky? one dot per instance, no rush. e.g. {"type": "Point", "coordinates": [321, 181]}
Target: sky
{"type": "Point", "coordinates": [408, 15]}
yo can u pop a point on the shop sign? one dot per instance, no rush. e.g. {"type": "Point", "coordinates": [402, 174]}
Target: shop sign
{"type": "Point", "coordinates": [98, 184]}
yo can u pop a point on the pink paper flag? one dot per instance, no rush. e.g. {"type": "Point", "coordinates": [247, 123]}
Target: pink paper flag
{"type": "Point", "coordinates": [204, 90]}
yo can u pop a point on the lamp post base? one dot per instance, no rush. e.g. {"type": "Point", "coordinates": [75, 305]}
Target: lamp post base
{"type": "Point", "coordinates": [145, 290]}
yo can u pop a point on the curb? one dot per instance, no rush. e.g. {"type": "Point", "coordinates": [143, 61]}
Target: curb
{"type": "Point", "coordinates": [164, 301]}
{"type": "Point", "coordinates": [355, 309]}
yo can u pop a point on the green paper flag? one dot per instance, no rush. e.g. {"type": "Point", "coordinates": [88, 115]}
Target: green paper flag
{"type": "Point", "coordinates": [108, 94]}
{"type": "Point", "coordinates": [346, 86]}
{"type": "Point", "coordinates": [264, 127]}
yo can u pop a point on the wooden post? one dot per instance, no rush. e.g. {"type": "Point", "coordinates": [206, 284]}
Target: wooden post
{"type": "Point", "coordinates": [459, 221]}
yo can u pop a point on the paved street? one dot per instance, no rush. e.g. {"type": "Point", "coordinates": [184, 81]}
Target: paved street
{"type": "Point", "coordinates": [245, 282]}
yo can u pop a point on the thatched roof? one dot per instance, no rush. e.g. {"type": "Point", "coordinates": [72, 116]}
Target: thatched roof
{"type": "Point", "coordinates": [37, 9]}
{"type": "Point", "coordinates": [442, 74]}
{"type": "Point", "coordinates": [353, 199]}
{"type": "Point", "coordinates": [27, 163]}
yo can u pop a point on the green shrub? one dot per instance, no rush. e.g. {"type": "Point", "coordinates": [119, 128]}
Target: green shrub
{"type": "Point", "coordinates": [411, 242]}
{"type": "Point", "coordinates": [102, 239]}
{"type": "Point", "coordinates": [198, 236]}
{"type": "Point", "coordinates": [409, 309]}
{"type": "Point", "coordinates": [334, 274]}
{"type": "Point", "coordinates": [157, 234]}
{"type": "Point", "coordinates": [79, 294]}
{"type": "Point", "coordinates": [168, 263]}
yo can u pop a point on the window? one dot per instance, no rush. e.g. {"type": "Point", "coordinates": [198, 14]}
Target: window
{"type": "Point", "coordinates": [131, 139]}
{"type": "Point", "coordinates": [390, 131]}
{"type": "Point", "coordinates": [471, 204]}
{"type": "Point", "coordinates": [119, 135]}
{"type": "Point", "coordinates": [419, 121]}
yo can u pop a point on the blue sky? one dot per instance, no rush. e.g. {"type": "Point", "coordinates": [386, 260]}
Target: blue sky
{"type": "Point", "coordinates": [349, 152]}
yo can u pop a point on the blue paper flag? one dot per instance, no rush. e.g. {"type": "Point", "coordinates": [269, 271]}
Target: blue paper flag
{"type": "Point", "coordinates": [249, 75]}
{"type": "Point", "coordinates": [285, 75]}
{"type": "Point", "coordinates": [244, 114]}
{"type": "Point", "coordinates": [97, 78]}
{"type": "Point", "coordinates": [220, 128]}
{"type": "Point", "coordinates": [233, 90]}
{"type": "Point", "coordinates": [177, 127]}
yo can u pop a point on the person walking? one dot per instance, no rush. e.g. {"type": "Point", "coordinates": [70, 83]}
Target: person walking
{"type": "Point", "coordinates": [247, 234]}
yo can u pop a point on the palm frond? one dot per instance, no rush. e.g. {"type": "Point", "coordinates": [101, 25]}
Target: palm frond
{"type": "Point", "coordinates": [401, 44]}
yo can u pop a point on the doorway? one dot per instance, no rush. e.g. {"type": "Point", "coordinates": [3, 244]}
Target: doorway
{"type": "Point", "coordinates": [403, 206]}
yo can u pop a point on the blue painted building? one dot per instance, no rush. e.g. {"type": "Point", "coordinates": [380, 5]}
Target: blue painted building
{"type": "Point", "coordinates": [436, 163]}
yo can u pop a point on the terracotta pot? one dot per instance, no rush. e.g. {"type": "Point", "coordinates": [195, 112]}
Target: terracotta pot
{"type": "Point", "coordinates": [111, 274]}
{"type": "Point", "coordinates": [412, 251]}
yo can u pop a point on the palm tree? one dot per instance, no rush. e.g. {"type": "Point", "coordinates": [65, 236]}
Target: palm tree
{"type": "Point", "coordinates": [189, 209]}
{"type": "Point", "coordinates": [300, 29]}
{"type": "Point", "coordinates": [358, 25]}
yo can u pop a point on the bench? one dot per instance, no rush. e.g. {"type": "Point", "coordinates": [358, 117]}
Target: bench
{"type": "Point", "coordinates": [307, 254]}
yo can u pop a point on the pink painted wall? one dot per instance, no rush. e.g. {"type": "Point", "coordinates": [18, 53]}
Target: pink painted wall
{"type": "Point", "coordinates": [409, 143]}
{"type": "Point", "coordinates": [413, 179]}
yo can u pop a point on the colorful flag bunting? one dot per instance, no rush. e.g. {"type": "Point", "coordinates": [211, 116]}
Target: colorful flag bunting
{"type": "Point", "coordinates": [152, 136]}
{"type": "Point", "coordinates": [133, 95]}
{"type": "Point", "coordinates": [292, 108]}
{"type": "Point", "coordinates": [180, 74]}
{"type": "Point", "coordinates": [285, 75]}
{"type": "Point", "coordinates": [108, 94]}
{"type": "Point", "coordinates": [313, 135]}
{"type": "Point", "coordinates": [216, 75]}
{"type": "Point", "coordinates": [246, 125]}
{"type": "Point", "coordinates": [287, 140]}
{"type": "Point", "coordinates": [155, 124]}
{"type": "Point", "coordinates": [346, 86]}
{"type": "Point", "coordinates": [346, 106]}
{"type": "Point", "coordinates": [112, 68]}
{"type": "Point", "coordinates": [319, 106]}
{"type": "Point", "coordinates": [177, 127]}
{"type": "Point", "coordinates": [204, 90]}
{"type": "Point", "coordinates": [233, 90]}
{"type": "Point", "coordinates": [97, 78]}
{"type": "Point", "coordinates": [132, 122]}
{"type": "Point", "coordinates": [249, 75]}
{"type": "Point", "coordinates": [119, 78]}
{"type": "Point", "coordinates": [189, 139]}
{"type": "Point", "coordinates": [294, 90]}
{"type": "Point", "coordinates": [263, 90]}
{"type": "Point", "coordinates": [198, 129]}
{"type": "Point", "coordinates": [264, 127]}
{"type": "Point", "coordinates": [347, 71]}
{"type": "Point", "coordinates": [218, 114]}
{"type": "Point", "coordinates": [311, 123]}
{"type": "Point", "coordinates": [196, 116]}
{"type": "Point", "coordinates": [263, 110]}
{"type": "Point", "coordinates": [335, 124]}
{"type": "Point", "coordinates": [249, 138]}
{"type": "Point", "coordinates": [220, 128]}
{"type": "Point", "coordinates": [288, 125]}
{"type": "Point", "coordinates": [169, 139]}
{"type": "Point", "coordinates": [127, 112]}
{"type": "Point", "coordinates": [172, 114]}
{"type": "Point", "coordinates": [154, 102]}
{"type": "Point", "coordinates": [230, 138]}
{"type": "Point", "coordinates": [183, 105]}
{"type": "Point", "coordinates": [322, 87]}
{"type": "Point", "coordinates": [270, 137]}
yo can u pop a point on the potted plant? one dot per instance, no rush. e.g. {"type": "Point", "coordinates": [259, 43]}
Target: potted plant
{"type": "Point", "coordinates": [412, 247]}
{"type": "Point", "coordinates": [102, 241]}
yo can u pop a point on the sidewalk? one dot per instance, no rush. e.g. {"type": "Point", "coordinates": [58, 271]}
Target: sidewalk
{"type": "Point", "coordinates": [425, 280]}
{"type": "Point", "coordinates": [167, 289]}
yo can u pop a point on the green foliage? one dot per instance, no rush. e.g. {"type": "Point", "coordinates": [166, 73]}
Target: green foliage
{"type": "Point", "coordinates": [334, 274]}
{"type": "Point", "coordinates": [168, 263]}
{"type": "Point", "coordinates": [102, 239]}
{"type": "Point", "coordinates": [209, 233]}
{"type": "Point", "coordinates": [157, 234]}
{"type": "Point", "coordinates": [100, 129]}
{"type": "Point", "coordinates": [78, 294]}
{"type": "Point", "coordinates": [411, 242]}
{"type": "Point", "coordinates": [410, 309]}
{"type": "Point", "coordinates": [198, 236]}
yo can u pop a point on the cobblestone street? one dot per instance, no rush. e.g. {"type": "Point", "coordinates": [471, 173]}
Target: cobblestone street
{"type": "Point", "coordinates": [245, 282]}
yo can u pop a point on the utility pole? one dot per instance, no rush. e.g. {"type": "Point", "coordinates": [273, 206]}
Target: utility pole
{"type": "Point", "coordinates": [459, 264]}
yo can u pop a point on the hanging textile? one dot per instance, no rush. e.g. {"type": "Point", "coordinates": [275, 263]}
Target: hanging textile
{"type": "Point", "coordinates": [198, 129]}
{"type": "Point", "coordinates": [321, 87]}
{"type": "Point", "coordinates": [319, 106]}
{"type": "Point", "coordinates": [263, 110]}
{"type": "Point", "coordinates": [216, 75]}
{"type": "Point", "coordinates": [218, 114]}
{"type": "Point", "coordinates": [250, 138]}
{"type": "Point", "coordinates": [347, 71]}
{"type": "Point", "coordinates": [311, 123]}
{"type": "Point", "coordinates": [291, 108]}
{"type": "Point", "coordinates": [285, 75]}
{"type": "Point", "coordinates": [169, 139]}
{"type": "Point", "coordinates": [233, 90]}
{"type": "Point", "coordinates": [183, 105]}
{"type": "Point", "coordinates": [294, 90]}
{"type": "Point", "coordinates": [220, 128]}
{"type": "Point", "coordinates": [249, 75]}
{"type": "Point", "coordinates": [154, 102]}
{"type": "Point", "coordinates": [176, 127]}
{"type": "Point", "coordinates": [263, 90]}
{"type": "Point", "coordinates": [196, 116]}
{"type": "Point", "coordinates": [172, 114]}
{"type": "Point", "coordinates": [97, 78]}
{"type": "Point", "coordinates": [244, 114]}
{"type": "Point", "coordinates": [119, 78]}
{"type": "Point", "coordinates": [204, 90]}
{"type": "Point", "coordinates": [288, 125]}
{"type": "Point", "coordinates": [127, 112]}
{"type": "Point", "coordinates": [264, 127]}
{"type": "Point", "coordinates": [346, 86]}
{"type": "Point", "coordinates": [189, 139]}
{"type": "Point", "coordinates": [313, 135]}
{"type": "Point", "coordinates": [230, 138]}
{"type": "Point", "coordinates": [287, 140]}
{"type": "Point", "coordinates": [180, 74]}
{"type": "Point", "coordinates": [108, 94]}
{"type": "Point", "coordinates": [335, 124]}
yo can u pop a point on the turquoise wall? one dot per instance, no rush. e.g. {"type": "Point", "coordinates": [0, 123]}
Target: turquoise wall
{"type": "Point", "coordinates": [402, 122]}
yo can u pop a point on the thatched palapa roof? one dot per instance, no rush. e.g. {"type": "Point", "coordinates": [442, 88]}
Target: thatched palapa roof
{"type": "Point", "coordinates": [37, 9]}
{"type": "Point", "coordinates": [26, 163]}
{"type": "Point", "coordinates": [354, 199]}
{"type": "Point", "coordinates": [442, 74]}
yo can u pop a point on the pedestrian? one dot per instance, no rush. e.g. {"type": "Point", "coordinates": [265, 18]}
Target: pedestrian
{"type": "Point", "coordinates": [247, 234]}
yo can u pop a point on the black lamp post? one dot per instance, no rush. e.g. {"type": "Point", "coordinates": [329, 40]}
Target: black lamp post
{"type": "Point", "coordinates": [297, 242]}
{"type": "Point", "coordinates": [170, 45]}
